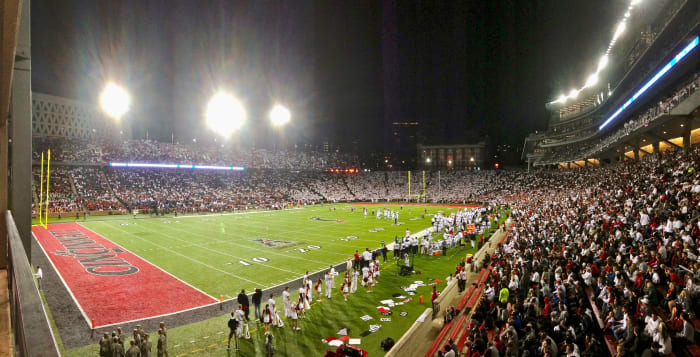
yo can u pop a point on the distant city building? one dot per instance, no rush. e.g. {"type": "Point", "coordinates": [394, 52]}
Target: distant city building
{"type": "Point", "coordinates": [54, 116]}
{"type": "Point", "coordinates": [458, 157]}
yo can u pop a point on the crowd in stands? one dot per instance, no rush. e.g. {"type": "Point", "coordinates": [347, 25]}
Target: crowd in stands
{"type": "Point", "coordinates": [149, 151]}
{"type": "Point", "coordinates": [612, 248]}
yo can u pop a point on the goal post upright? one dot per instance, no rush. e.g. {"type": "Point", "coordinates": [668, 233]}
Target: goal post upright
{"type": "Point", "coordinates": [41, 187]}
{"type": "Point", "coordinates": [48, 176]}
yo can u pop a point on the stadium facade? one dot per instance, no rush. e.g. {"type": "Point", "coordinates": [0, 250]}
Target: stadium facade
{"type": "Point", "coordinates": [54, 116]}
{"type": "Point", "coordinates": [645, 101]}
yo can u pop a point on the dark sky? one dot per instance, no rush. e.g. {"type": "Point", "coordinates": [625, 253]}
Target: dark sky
{"type": "Point", "coordinates": [464, 69]}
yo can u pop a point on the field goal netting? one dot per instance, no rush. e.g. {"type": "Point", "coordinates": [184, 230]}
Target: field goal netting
{"type": "Point", "coordinates": [419, 196]}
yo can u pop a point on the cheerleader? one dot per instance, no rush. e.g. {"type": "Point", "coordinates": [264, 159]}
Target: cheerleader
{"type": "Point", "coordinates": [300, 306]}
{"type": "Point", "coordinates": [294, 316]}
{"type": "Point", "coordinates": [365, 274]}
{"type": "Point", "coordinates": [318, 289]}
{"type": "Point", "coordinates": [345, 288]}
{"type": "Point", "coordinates": [370, 281]}
{"type": "Point", "coordinates": [267, 317]}
{"type": "Point", "coordinates": [376, 271]}
{"type": "Point", "coordinates": [355, 275]}
{"type": "Point", "coordinates": [308, 296]}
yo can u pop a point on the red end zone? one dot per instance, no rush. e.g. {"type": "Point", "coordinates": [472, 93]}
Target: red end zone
{"type": "Point", "coordinates": [109, 283]}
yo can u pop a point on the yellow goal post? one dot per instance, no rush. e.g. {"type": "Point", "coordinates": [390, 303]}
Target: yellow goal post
{"type": "Point", "coordinates": [409, 187]}
{"type": "Point", "coordinates": [44, 199]}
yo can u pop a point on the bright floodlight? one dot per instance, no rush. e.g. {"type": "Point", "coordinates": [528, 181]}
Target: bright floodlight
{"type": "Point", "coordinates": [279, 115]}
{"type": "Point", "coordinates": [573, 93]}
{"type": "Point", "coordinates": [427, 160]}
{"type": "Point", "coordinates": [225, 114]}
{"type": "Point", "coordinates": [114, 100]}
{"type": "Point", "coordinates": [603, 62]}
{"type": "Point", "coordinates": [592, 80]}
{"type": "Point", "coordinates": [620, 29]}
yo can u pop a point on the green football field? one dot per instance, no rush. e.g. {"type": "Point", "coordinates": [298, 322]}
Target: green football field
{"type": "Point", "coordinates": [205, 251]}
{"type": "Point", "coordinates": [221, 254]}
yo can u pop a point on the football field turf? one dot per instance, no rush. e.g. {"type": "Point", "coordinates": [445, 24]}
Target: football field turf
{"type": "Point", "coordinates": [222, 254]}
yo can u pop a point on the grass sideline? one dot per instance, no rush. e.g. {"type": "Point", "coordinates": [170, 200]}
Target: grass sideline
{"type": "Point", "coordinates": [221, 254]}
{"type": "Point", "coordinates": [208, 337]}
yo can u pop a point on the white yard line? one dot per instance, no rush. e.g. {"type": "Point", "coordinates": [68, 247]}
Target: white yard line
{"type": "Point", "coordinates": [147, 261]}
{"type": "Point", "coordinates": [188, 258]}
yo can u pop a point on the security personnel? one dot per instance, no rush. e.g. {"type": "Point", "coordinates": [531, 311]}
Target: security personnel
{"type": "Point", "coordinates": [146, 346]}
{"type": "Point", "coordinates": [133, 350]}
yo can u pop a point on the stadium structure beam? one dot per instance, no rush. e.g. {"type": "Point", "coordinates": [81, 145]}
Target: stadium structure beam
{"type": "Point", "coordinates": [656, 137]}
{"type": "Point", "coordinates": [9, 17]}
{"type": "Point", "coordinates": [20, 201]}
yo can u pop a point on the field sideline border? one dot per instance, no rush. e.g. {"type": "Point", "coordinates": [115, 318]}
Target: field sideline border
{"type": "Point", "coordinates": [340, 267]}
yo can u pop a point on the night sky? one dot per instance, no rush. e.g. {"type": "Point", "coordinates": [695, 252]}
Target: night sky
{"type": "Point", "coordinates": [463, 69]}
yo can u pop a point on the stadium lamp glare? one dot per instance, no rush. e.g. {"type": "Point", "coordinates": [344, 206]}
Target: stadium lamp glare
{"type": "Point", "coordinates": [225, 114]}
{"type": "Point", "coordinates": [562, 99]}
{"type": "Point", "coordinates": [114, 100]}
{"type": "Point", "coordinates": [573, 93]}
{"type": "Point", "coordinates": [592, 80]}
{"type": "Point", "coordinates": [279, 115]}
{"type": "Point", "coordinates": [427, 160]}
{"type": "Point", "coordinates": [471, 159]}
{"type": "Point", "coordinates": [602, 63]}
{"type": "Point", "coordinates": [620, 29]}
{"type": "Point", "coordinates": [635, 2]}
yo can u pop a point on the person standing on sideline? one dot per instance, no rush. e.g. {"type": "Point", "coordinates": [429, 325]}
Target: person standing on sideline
{"type": "Point", "coordinates": [329, 284]}
{"type": "Point", "coordinates": [233, 327]}
{"type": "Point", "coordinates": [162, 346]}
{"type": "Point", "coordinates": [269, 348]}
{"type": "Point", "coordinates": [146, 346]}
{"type": "Point", "coordinates": [165, 334]}
{"type": "Point", "coordinates": [266, 317]}
{"type": "Point", "coordinates": [318, 289]}
{"type": "Point", "coordinates": [243, 300]}
{"type": "Point", "coordinates": [333, 274]}
{"type": "Point", "coordinates": [133, 350]}
{"type": "Point", "coordinates": [294, 316]}
{"type": "Point", "coordinates": [257, 297]}
{"type": "Point", "coordinates": [345, 288]}
{"type": "Point", "coordinates": [356, 262]}
{"type": "Point", "coordinates": [273, 309]}
{"type": "Point", "coordinates": [39, 275]}
{"type": "Point", "coordinates": [355, 275]}
{"type": "Point", "coordinates": [105, 346]}
{"type": "Point", "coordinates": [287, 302]}
{"type": "Point", "coordinates": [117, 349]}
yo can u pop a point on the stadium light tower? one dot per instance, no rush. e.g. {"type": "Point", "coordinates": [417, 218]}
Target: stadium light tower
{"type": "Point", "coordinates": [114, 101]}
{"type": "Point", "coordinates": [225, 114]}
{"type": "Point", "coordinates": [279, 115]}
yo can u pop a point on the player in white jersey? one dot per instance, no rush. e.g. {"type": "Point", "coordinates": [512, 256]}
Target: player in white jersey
{"type": "Point", "coordinates": [287, 302]}
{"type": "Point", "coordinates": [355, 275]}
{"type": "Point", "coordinates": [329, 284]}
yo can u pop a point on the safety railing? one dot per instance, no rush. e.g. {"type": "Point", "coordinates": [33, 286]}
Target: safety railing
{"type": "Point", "coordinates": [30, 324]}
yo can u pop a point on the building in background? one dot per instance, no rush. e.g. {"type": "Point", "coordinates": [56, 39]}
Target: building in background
{"type": "Point", "coordinates": [54, 116]}
{"type": "Point", "coordinates": [457, 157]}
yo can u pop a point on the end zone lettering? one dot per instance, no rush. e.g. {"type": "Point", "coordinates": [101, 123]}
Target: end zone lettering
{"type": "Point", "coordinates": [94, 257]}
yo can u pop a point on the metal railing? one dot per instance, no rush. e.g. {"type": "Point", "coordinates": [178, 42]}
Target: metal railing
{"type": "Point", "coordinates": [30, 324]}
